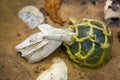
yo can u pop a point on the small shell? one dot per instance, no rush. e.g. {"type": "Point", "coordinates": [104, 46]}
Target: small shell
{"type": "Point", "coordinates": [58, 71]}
{"type": "Point", "coordinates": [31, 16]}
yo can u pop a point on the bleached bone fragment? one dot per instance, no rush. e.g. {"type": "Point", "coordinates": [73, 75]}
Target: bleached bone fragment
{"type": "Point", "coordinates": [41, 44]}
{"type": "Point", "coordinates": [58, 71]}
{"type": "Point", "coordinates": [33, 39]}
{"type": "Point", "coordinates": [31, 16]}
{"type": "Point", "coordinates": [112, 10]}
{"type": "Point", "coordinates": [55, 33]}
{"type": "Point", "coordinates": [45, 51]}
{"type": "Point", "coordinates": [27, 52]}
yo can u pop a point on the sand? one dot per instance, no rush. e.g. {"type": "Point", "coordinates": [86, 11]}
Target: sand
{"type": "Point", "coordinates": [13, 31]}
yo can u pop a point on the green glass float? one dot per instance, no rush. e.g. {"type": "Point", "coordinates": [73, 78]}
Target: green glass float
{"type": "Point", "coordinates": [91, 44]}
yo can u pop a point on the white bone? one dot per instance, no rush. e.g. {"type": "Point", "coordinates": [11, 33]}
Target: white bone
{"type": "Point", "coordinates": [45, 28]}
{"type": "Point", "coordinates": [42, 44]}
{"type": "Point", "coordinates": [109, 13]}
{"type": "Point", "coordinates": [33, 39]}
{"type": "Point", "coordinates": [45, 51]}
{"type": "Point", "coordinates": [58, 37]}
{"type": "Point", "coordinates": [28, 51]}
{"type": "Point", "coordinates": [55, 33]}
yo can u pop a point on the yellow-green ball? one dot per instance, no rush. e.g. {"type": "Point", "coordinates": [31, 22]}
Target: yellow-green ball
{"type": "Point", "coordinates": [92, 43]}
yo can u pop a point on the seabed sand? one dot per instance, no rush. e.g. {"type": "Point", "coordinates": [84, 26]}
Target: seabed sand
{"type": "Point", "coordinates": [13, 31]}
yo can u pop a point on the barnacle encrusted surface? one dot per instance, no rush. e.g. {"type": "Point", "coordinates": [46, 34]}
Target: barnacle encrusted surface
{"type": "Point", "coordinates": [91, 44]}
